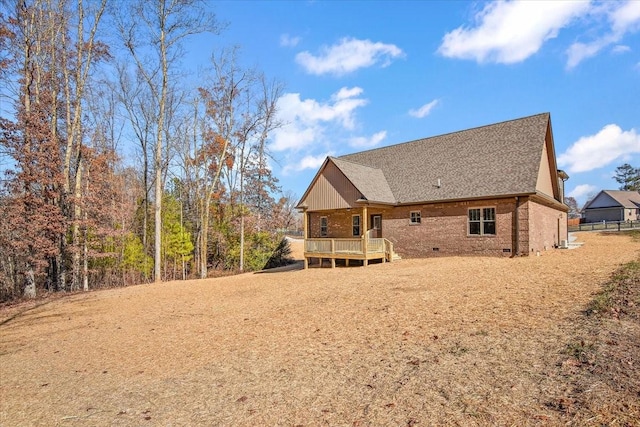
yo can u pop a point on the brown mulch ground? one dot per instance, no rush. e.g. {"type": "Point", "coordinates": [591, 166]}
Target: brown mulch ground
{"type": "Point", "coordinates": [445, 341]}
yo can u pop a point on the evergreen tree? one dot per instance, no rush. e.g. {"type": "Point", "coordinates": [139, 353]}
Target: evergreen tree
{"type": "Point", "coordinates": [628, 177]}
{"type": "Point", "coordinates": [177, 247]}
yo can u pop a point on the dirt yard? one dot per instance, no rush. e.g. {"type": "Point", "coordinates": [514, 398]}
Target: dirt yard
{"type": "Point", "coordinates": [445, 341]}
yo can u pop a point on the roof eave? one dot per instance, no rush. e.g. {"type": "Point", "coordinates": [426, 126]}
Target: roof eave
{"type": "Point", "coordinates": [465, 199]}
{"type": "Point", "coordinates": [375, 202]}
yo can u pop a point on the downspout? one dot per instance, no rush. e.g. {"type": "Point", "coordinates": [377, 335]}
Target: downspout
{"type": "Point", "coordinates": [516, 245]}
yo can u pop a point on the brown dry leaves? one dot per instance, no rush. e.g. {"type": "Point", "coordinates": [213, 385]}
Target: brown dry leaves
{"type": "Point", "coordinates": [446, 341]}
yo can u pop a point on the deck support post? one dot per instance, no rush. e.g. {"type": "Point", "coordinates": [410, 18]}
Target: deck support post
{"type": "Point", "coordinates": [364, 233]}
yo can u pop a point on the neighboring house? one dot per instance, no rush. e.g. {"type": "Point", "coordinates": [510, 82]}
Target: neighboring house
{"type": "Point", "coordinates": [491, 190]}
{"type": "Point", "coordinates": [613, 205]}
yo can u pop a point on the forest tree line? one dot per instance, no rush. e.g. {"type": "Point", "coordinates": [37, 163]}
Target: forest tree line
{"type": "Point", "coordinates": [85, 81]}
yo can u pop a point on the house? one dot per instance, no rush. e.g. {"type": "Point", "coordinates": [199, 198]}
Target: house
{"type": "Point", "coordinates": [613, 205]}
{"type": "Point", "coordinates": [491, 190]}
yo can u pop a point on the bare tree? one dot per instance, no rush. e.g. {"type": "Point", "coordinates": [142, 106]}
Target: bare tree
{"type": "Point", "coordinates": [159, 26]}
{"type": "Point", "coordinates": [140, 109]}
{"type": "Point", "coordinates": [86, 51]}
{"type": "Point", "coordinates": [574, 212]}
{"type": "Point", "coordinates": [239, 113]}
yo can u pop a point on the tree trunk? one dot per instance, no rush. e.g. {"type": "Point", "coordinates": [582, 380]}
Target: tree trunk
{"type": "Point", "coordinates": [204, 237]}
{"type": "Point", "coordinates": [30, 286]}
{"type": "Point", "coordinates": [158, 155]}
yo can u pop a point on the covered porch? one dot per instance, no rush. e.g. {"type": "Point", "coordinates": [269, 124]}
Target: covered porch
{"type": "Point", "coordinates": [363, 249]}
{"type": "Point", "coordinates": [346, 235]}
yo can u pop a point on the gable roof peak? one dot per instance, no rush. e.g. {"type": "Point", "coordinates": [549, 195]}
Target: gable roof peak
{"type": "Point", "coordinates": [624, 198]}
{"type": "Point", "coordinates": [370, 181]}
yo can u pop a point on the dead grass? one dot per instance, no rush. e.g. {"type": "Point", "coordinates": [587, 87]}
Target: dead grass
{"type": "Point", "coordinates": [446, 341]}
{"type": "Point", "coordinates": [602, 373]}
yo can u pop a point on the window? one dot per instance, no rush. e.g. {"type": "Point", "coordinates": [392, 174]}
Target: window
{"type": "Point", "coordinates": [355, 221]}
{"type": "Point", "coordinates": [414, 217]}
{"type": "Point", "coordinates": [482, 221]}
{"type": "Point", "coordinates": [324, 225]}
{"type": "Point", "coordinates": [377, 222]}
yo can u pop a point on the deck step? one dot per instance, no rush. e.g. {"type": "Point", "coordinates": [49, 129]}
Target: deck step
{"type": "Point", "coordinates": [395, 257]}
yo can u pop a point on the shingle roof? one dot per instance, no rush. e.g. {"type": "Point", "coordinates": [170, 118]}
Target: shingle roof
{"type": "Point", "coordinates": [369, 181]}
{"type": "Point", "coordinates": [626, 199]}
{"type": "Point", "coordinates": [493, 160]}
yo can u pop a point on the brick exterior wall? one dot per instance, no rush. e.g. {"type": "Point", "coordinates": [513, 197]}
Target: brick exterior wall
{"type": "Point", "coordinates": [547, 227]}
{"type": "Point", "coordinates": [339, 224]}
{"type": "Point", "coordinates": [444, 226]}
{"type": "Point", "coordinates": [443, 230]}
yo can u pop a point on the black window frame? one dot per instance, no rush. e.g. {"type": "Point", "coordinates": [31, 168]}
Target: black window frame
{"type": "Point", "coordinates": [324, 226]}
{"type": "Point", "coordinates": [356, 228]}
{"type": "Point", "coordinates": [415, 217]}
{"type": "Point", "coordinates": [481, 221]}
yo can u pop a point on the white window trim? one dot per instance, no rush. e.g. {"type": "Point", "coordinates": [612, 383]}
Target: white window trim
{"type": "Point", "coordinates": [411, 221]}
{"type": "Point", "coordinates": [373, 222]}
{"type": "Point", "coordinates": [482, 221]}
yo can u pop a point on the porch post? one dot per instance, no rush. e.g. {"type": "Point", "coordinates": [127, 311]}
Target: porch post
{"type": "Point", "coordinates": [333, 253]}
{"type": "Point", "coordinates": [366, 238]}
{"type": "Point", "coordinates": [306, 235]}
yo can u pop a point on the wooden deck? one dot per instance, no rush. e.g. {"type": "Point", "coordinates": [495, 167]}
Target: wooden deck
{"type": "Point", "coordinates": [363, 249]}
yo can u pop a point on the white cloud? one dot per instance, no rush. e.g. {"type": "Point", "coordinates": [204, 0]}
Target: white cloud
{"type": "Point", "coordinates": [624, 18]}
{"type": "Point", "coordinates": [582, 191]}
{"type": "Point", "coordinates": [307, 162]}
{"type": "Point", "coordinates": [372, 141]}
{"type": "Point", "coordinates": [307, 121]}
{"type": "Point", "coordinates": [621, 48]}
{"type": "Point", "coordinates": [345, 93]}
{"type": "Point", "coordinates": [510, 32]}
{"type": "Point", "coordinates": [347, 56]}
{"type": "Point", "coordinates": [289, 41]}
{"type": "Point", "coordinates": [424, 110]}
{"type": "Point", "coordinates": [595, 151]}
{"type": "Point", "coordinates": [578, 52]}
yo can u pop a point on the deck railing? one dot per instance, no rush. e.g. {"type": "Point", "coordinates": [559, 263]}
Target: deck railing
{"type": "Point", "coordinates": [375, 245]}
{"type": "Point", "coordinates": [318, 245]}
{"type": "Point", "coordinates": [347, 245]}
{"type": "Point", "coordinates": [344, 246]}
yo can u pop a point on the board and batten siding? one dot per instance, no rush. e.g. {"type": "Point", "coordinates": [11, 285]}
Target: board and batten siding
{"type": "Point", "coordinates": [331, 190]}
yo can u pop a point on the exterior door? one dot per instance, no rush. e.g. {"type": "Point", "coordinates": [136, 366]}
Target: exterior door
{"type": "Point", "coordinates": [376, 223]}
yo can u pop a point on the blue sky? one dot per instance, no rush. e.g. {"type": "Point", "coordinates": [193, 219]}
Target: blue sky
{"type": "Point", "coordinates": [362, 75]}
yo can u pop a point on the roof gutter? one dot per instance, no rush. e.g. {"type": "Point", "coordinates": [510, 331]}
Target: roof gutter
{"type": "Point", "coordinates": [516, 219]}
{"type": "Point", "coordinates": [466, 199]}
